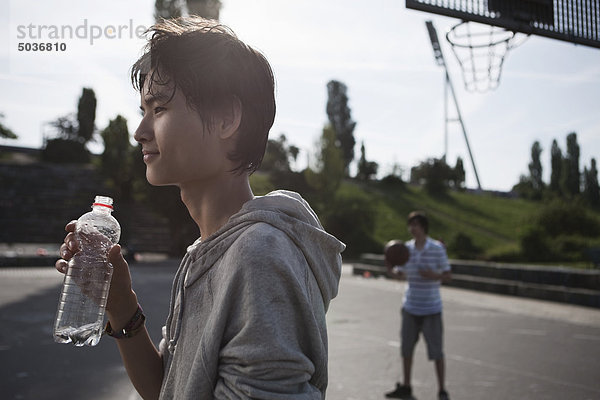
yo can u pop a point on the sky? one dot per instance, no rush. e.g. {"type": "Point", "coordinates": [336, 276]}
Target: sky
{"type": "Point", "coordinates": [379, 49]}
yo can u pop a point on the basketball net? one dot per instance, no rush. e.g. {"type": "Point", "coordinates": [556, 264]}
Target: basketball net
{"type": "Point", "coordinates": [480, 51]}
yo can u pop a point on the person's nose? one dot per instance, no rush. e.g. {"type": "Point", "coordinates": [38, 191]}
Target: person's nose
{"type": "Point", "coordinates": [144, 132]}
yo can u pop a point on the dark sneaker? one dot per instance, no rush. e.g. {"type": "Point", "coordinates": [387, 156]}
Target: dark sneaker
{"type": "Point", "coordinates": [401, 392]}
{"type": "Point", "coordinates": [443, 395]}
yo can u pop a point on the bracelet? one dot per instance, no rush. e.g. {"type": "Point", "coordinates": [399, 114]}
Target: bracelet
{"type": "Point", "coordinates": [133, 327]}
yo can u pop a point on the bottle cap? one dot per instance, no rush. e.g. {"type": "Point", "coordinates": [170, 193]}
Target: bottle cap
{"type": "Point", "coordinates": [103, 201]}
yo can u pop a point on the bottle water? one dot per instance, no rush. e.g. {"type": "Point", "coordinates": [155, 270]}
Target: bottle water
{"type": "Point", "coordinates": [80, 315]}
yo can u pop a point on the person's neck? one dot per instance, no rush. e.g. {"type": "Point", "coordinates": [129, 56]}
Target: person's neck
{"type": "Point", "coordinates": [212, 203]}
{"type": "Point", "coordinates": [420, 242]}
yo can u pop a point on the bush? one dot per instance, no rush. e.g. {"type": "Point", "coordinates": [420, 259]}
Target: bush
{"type": "Point", "coordinates": [462, 246]}
{"type": "Point", "coordinates": [392, 181]}
{"type": "Point", "coordinates": [64, 151]}
{"type": "Point", "coordinates": [261, 184]}
{"type": "Point", "coordinates": [505, 253]}
{"type": "Point", "coordinates": [561, 231]}
{"type": "Point", "coordinates": [536, 245]}
{"type": "Point", "coordinates": [351, 218]}
{"type": "Point", "coordinates": [289, 180]}
{"type": "Point", "coordinates": [562, 218]}
{"type": "Point", "coordinates": [574, 247]}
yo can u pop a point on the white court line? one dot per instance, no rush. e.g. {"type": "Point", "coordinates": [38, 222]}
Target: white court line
{"type": "Point", "coordinates": [30, 272]}
{"type": "Point", "coordinates": [585, 337]}
{"type": "Point", "coordinates": [528, 332]}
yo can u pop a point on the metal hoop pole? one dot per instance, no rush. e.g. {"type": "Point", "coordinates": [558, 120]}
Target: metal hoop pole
{"type": "Point", "coordinates": [462, 124]}
{"type": "Point", "coordinates": [445, 118]}
{"type": "Point", "coordinates": [439, 56]}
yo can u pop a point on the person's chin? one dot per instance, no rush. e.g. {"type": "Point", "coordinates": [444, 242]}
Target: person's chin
{"type": "Point", "coordinates": [157, 180]}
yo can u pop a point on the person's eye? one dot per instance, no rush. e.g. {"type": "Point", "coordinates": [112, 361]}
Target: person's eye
{"type": "Point", "coordinates": [159, 110]}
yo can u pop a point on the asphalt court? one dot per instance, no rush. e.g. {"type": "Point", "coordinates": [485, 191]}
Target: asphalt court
{"type": "Point", "coordinates": [497, 347]}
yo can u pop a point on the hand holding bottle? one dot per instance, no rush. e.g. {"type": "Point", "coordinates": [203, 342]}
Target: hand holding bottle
{"type": "Point", "coordinates": [89, 255]}
{"type": "Point", "coordinates": [120, 288]}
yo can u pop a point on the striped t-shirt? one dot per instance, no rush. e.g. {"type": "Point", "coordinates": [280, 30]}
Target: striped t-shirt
{"type": "Point", "coordinates": [422, 296]}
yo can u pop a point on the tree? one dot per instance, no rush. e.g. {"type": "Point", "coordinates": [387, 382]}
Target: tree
{"type": "Point", "coordinates": [591, 189]}
{"type": "Point", "coordinates": [571, 176]}
{"type": "Point", "coordinates": [65, 147]}
{"type": "Point", "coordinates": [175, 8]}
{"type": "Point", "coordinates": [117, 168]}
{"type": "Point", "coordinates": [394, 177]}
{"type": "Point", "coordinates": [293, 152]}
{"type": "Point", "coordinates": [5, 132]}
{"type": "Point", "coordinates": [458, 175]}
{"type": "Point", "coordinates": [277, 155]}
{"type": "Point", "coordinates": [350, 216]}
{"type": "Point", "coordinates": [434, 174]}
{"type": "Point", "coordinates": [366, 169]}
{"type": "Point", "coordinates": [167, 9]}
{"type": "Point", "coordinates": [81, 128]}
{"type": "Point", "coordinates": [65, 128]}
{"type": "Point", "coordinates": [204, 8]}
{"type": "Point", "coordinates": [437, 177]}
{"type": "Point", "coordinates": [329, 169]}
{"type": "Point", "coordinates": [556, 162]}
{"type": "Point", "coordinates": [535, 170]}
{"type": "Point", "coordinates": [86, 115]}
{"type": "Point", "coordinates": [62, 151]}
{"type": "Point", "coordinates": [341, 121]}
{"type": "Point", "coordinates": [524, 188]}
{"type": "Point", "coordinates": [532, 186]}
{"type": "Point", "coordinates": [116, 162]}
{"type": "Point", "coordinates": [72, 133]}
{"type": "Point", "coordinates": [461, 245]}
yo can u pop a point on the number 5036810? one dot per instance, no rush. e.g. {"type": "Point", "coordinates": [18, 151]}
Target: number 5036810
{"type": "Point", "coordinates": [35, 46]}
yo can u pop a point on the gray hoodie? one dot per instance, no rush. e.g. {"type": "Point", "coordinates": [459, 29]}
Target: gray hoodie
{"type": "Point", "coordinates": [248, 307]}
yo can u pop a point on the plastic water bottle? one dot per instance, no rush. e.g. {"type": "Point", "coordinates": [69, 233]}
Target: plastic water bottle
{"type": "Point", "coordinates": [80, 315]}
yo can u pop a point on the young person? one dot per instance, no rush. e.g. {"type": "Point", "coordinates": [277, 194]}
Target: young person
{"type": "Point", "coordinates": [426, 268]}
{"type": "Point", "coordinates": [248, 304]}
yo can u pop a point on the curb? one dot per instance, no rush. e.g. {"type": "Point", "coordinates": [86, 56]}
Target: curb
{"type": "Point", "coordinates": [578, 288]}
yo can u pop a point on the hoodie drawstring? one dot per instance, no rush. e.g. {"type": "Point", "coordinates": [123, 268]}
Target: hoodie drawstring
{"type": "Point", "coordinates": [177, 291]}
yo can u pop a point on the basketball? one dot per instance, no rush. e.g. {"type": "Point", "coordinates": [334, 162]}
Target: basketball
{"type": "Point", "coordinates": [396, 253]}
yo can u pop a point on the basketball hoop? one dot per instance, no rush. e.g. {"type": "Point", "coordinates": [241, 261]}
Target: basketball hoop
{"type": "Point", "coordinates": [480, 51]}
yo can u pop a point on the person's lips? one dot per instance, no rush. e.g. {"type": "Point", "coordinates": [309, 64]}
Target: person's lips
{"type": "Point", "coordinates": [149, 154]}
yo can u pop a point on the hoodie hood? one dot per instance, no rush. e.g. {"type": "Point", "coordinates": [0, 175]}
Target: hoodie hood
{"type": "Point", "coordinates": [236, 312]}
{"type": "Point", "coordinates": [290, 213]}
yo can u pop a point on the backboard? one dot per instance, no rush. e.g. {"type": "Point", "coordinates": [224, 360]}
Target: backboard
{"type": "Point", "coordinates": [574, 21]}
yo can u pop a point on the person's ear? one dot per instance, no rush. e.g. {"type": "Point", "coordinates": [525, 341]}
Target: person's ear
{"type": "Point", "coordinates": [230, 118]}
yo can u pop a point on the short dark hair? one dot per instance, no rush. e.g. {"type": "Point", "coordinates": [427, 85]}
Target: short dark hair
{"type": "Point", "coordinates": [421, 219]}
{"type": "Point", "coordinates": [213, 68]}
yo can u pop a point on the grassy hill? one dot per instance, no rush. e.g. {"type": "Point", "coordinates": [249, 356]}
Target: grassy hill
{"type": "Point", "coordinates": [494, 223]}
